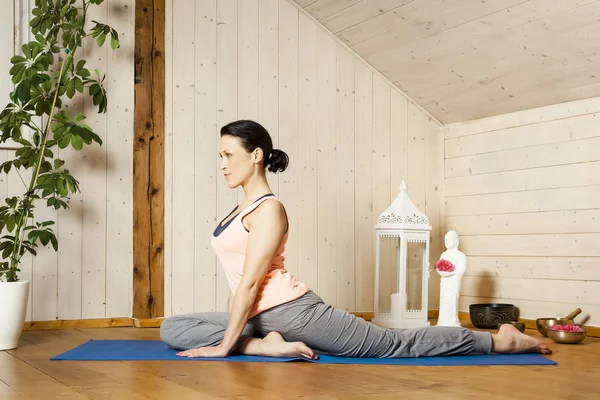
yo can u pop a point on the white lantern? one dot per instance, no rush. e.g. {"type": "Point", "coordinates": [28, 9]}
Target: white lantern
{"type": "Point", "coordinates": [402, 265]}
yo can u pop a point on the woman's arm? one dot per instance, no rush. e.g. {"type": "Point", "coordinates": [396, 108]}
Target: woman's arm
{"type": "Point", "coordinates": [268, 224]}
{"type": "Point", "coordinates": [267, 227]}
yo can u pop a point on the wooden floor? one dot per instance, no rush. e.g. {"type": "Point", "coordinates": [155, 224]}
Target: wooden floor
{"type": "Point", "coordinates": [27, 373]}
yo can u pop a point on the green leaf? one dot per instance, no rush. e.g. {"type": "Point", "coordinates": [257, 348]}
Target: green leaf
{"type": "Point", "coordinates": [10, 222]}
{"type": "Point", "coordinates": [64, 142]}
{"type": "Point", "coordinates": [17, 59]}
{"type": "Point", "coordinates": [58, 163]}
{"type": "Point", "coordinates": [12, 202]}
{"type": "Point", "coordinates": [26, 50]}
{"type": "Point", "coordinates": [80, 65]}
{"type": "Point", "coordinates": [72, 186]}
{"type": "Point", "coordinates": [100, 40]}
{"type": "Point", "coordinates": [77, 142]}
{"type": "Point", "coordinates": [61, 187]}
{"type": "Point", "coordinates": [33, 236]}
{"type": "Point", "coordinates": [44, 237]}
{"type": "Point", "coordinates": [54, 242]}
{"type": "Point", "coordinates": [94, 89]}
{"type": "Point", "coordinates": [6, 252]}
{"type": "Point", "coordinates": [114, 43]}
{"type": "Point", "coordinates": [23, 92]}
{"type": "Point", "coordinates": [63, 10]}
{"type": "Point", "coordinates": [71, 89]}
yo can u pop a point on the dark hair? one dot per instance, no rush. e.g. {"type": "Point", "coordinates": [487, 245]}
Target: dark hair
{"type": "Point", "coordinates": [253, 135]}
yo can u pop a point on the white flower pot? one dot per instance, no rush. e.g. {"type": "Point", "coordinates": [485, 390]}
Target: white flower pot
{"type": "Point", "coordinates": [13, 308]}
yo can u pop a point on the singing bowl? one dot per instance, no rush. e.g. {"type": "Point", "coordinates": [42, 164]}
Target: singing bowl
{"type": "Point", "coordinates": [566, 337]}
{"type": "Point", "coordinates": [488, 315]}
{"type": "Point", "coordinates": [543, 324]}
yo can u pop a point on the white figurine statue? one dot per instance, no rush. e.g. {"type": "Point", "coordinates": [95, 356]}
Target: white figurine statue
{"type": "Point", "coordinates": [451, 267]}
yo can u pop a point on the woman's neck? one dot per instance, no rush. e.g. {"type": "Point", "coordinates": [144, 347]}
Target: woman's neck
{"type": "Point", "coordinates": [255, 187]}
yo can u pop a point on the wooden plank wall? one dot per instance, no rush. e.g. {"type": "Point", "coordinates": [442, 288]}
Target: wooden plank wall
{"type": "Point", "coordinates": [91, 274]}
{"type": "Point", "coordinates": [351, 137]}
{"type": "Point", "coordinates": [522, 191]}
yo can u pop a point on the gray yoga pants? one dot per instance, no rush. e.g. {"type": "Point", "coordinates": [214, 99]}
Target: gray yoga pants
{"type": "Point", "coordinates": [326, 329]}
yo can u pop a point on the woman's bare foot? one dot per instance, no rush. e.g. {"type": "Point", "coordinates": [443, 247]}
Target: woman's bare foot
{"type": "Point", "coordinates": [510, 340]}
{"type": "Point", "coordinates": [274, 345]}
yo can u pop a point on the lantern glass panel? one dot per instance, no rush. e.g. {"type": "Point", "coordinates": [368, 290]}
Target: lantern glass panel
{"type": "Point", "coordinates": [388, 272]}
{"type": "Point", "coordinates": [415, 253]}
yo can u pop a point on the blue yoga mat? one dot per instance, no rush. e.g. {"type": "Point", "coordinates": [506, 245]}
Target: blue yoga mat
{"type": "Point", "coordinates": [120, 350]}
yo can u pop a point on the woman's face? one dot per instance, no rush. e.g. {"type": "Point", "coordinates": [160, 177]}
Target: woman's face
{"type": "Point", "coordinates": [236, 163]}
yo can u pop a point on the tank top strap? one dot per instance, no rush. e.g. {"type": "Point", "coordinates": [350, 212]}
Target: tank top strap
{"type": "Point", "coordinates": [256, 203]}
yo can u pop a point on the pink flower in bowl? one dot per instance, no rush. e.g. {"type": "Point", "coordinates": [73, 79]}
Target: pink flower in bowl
{"type": "Point", "coordinates": [444, 266]}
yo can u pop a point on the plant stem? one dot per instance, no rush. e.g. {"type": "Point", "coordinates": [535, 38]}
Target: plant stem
{"type": "Point", "coordinates": [16, 258]}
{"type": "Point", "coordinates": [18, 173]}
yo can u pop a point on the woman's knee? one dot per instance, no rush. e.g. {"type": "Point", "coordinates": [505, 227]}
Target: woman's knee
{"type": "Point", "coordinates": [168, 331]}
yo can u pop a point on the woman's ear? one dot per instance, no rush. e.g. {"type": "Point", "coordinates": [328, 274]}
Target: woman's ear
{"type": "Point", "coordinates": [258, 155]}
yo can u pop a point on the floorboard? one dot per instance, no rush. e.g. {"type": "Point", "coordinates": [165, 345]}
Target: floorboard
{"type": "Point", "coordinates": [26, 373]}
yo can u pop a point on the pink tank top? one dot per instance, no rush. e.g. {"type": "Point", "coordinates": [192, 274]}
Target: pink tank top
{"type": "Point", "coordinates": [229, 244]}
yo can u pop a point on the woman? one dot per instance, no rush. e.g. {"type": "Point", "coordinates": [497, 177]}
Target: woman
{"type": "Point", "coordinates": [273, 314]}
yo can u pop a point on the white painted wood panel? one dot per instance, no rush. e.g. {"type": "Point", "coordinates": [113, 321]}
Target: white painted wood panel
{"type": "Point", "coordinates": [555, 154]}
{"type": "Point", "coordinates": [308, 128]}
{"type": "Point", "coordinates": [521, 191]}
{"type": "Point", "coordinates": [268, 74]}
{"type": "Point", "coordinates": [326, 161]}
{"type": "Point", "coordinates": [558, 245]}
{"type": "Point", "coordinates": [571, 221]}
{"type": "Point", "coordinates": [556, 268]}
{"type": "Point", "coordinates": [227, 109]}
{"type": "Point", "coordinates": [382, 185]}
{"type": "Point", "coordinates": [399, 162]}
{"type": "Point", "coordinates": [363, 181]}
{"type": "Point", "coordinates": [119, 150]}
{"type": "Point", "coordinates": [558, 176]}
{"type": "Point", "coordinates": [91, 274]}
{"type": "Point", "coordinates": [7, 50]}
{"type": "Point", "coordinates": [468, 59]}
{"type": "Point", "coordinates": [360, 12]}
{"type": "Point", "coordinates": [518, 137]}
{"type": "Point", "coordinates": [576, 198]}
{"type": "Point", "coordinates": [289, 137]}
{"type": "Point", "coordinates": [183, 159]}
{"type": "Point", "coordinates": [546, 290]}
{"type": "Point", "coordinates": [346, 292]}
{"type": "Point", "coordinates": [434, 204]}
{"type": "Point", "coordinates": [523, 118]}
{"type": "Point", "coordinates": [340, 122]}
{"type": "Point", "coordinates": [94, 174]}
{"type": "Point", "coordinates": [206, 145]}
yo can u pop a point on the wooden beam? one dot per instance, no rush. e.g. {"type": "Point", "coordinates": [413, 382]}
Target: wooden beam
{"type": "Point", "coordinates": [77, 324]}
{"type": "Point", "coordinates": [148, 160]}
{"type": "Point", "coordinates": [592, 331]}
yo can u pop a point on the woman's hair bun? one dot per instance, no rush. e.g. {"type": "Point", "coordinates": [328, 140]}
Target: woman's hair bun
{"type": "Point", "coordinates": [278, 161]}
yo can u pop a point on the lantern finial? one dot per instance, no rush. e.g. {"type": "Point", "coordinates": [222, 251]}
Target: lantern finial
{"type": "Point", "coordinates": [403, 187]}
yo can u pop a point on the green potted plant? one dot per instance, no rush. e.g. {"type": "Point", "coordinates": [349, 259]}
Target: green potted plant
{"type": "Point", "coordinates": [48, 69]}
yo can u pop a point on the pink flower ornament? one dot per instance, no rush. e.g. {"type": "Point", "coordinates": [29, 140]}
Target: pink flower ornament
{"type": "Point", "coordinates": [444, 266]}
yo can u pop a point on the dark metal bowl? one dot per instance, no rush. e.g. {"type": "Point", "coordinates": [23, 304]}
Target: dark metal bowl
{"type": "Point", "coordinates": [488, 315]}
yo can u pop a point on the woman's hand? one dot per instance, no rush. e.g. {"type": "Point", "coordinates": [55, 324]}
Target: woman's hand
{"type": "Point", "coordinates": [207, 352]}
